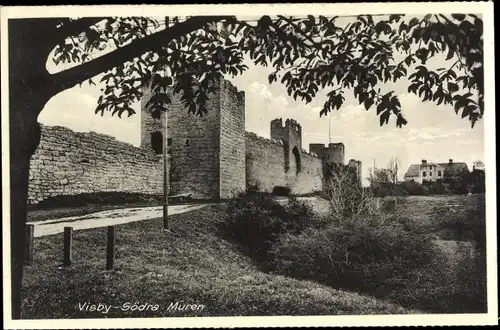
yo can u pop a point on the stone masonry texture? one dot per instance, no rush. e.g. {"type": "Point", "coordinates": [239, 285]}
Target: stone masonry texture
{"type": "Point", "coordinates": [194, 145]}
{"type": "Point", "coordinates": [70, 163]}
{"type": "Point", "coordinates": [212, 156]}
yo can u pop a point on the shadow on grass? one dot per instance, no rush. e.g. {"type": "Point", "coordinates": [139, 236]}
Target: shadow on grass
{"type": "Point", "coordinates": [190, 265]}
{"type": "Point", "coordinates": [82, 204]}
{"type": "Point", "coordinates": [396, 261]}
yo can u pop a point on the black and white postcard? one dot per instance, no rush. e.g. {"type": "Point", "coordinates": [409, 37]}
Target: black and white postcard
{"type": "Point", "coordinates": [248, 165]}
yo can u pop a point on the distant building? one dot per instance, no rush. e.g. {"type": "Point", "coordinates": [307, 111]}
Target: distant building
{"type": "Point", "coordinates": [356, 165]}
{"type": "Point", "coordinates": [426, 171]}
{"type": "Point", "coordinates": [477, 178]}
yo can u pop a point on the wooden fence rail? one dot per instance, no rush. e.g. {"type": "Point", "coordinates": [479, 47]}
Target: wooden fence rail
{"type": "Point", "coordinates": [68, 246]}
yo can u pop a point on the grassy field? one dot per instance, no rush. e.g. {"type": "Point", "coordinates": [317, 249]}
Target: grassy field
{"type": "Point", "coordinates": [193, 264]}
{"type": "Point", "coordinates": [457, 281]}
{"type": "Point", "coordinates": [190, 265]}
{"type": "Point", "coordinates": [447, 217]}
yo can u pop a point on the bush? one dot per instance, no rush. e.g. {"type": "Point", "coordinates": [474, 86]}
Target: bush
{"type": "Point", "coordinates": [469, 225]}
{"type": "Point", "coordinates": [253, 188]}
{"type": "Point", "coordinates": [345, 193]}
{"type": "Point", "coordinates": [477, 181]}
{"type": "Point", "coordinates": [367, 254]}
{"type": "Point", "coordinates": [381, 189]}
{"type": "Point", "coordinates": [391, 204]}
{"type": "Point", "coordinates": [413, 188]}
{"type": "Point", "coordinates": [389, 257]}
{"type": "Point", "coordinates": [454, 282]}
{"type": "Point", "coordinates": [256, 221]}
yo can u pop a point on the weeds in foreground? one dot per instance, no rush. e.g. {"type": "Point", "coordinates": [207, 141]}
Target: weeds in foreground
{"type": "Point", "coordinates": [366, 246]}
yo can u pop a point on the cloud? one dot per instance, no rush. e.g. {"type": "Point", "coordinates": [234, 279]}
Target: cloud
{"type": "Point", "coordinates": [408, 100]}
{"type": "Point", "coordinates": [261, 89]}
{"type": "Point", "coordinates": [75, 109]}
{"type": "Point", "coordinates": [427, 136]}
{"type": "Point", "coordinates": [432, 132]}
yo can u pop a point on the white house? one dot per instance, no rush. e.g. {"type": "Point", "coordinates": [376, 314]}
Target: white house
{"type": "Point", "coordinates": [426, 171]}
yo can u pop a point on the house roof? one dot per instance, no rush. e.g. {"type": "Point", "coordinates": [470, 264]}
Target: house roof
{"type": "Point", "coordinates": [414, 169]}
{"type": "Point", "coordinates": [454, 166]}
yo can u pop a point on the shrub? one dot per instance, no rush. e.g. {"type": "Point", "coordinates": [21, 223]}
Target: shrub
{"type": "Point", "coordinates": [256, 221]}
{"type": "Point", "coordinates": [391, 204]}
{"type": "Point", "coordinates": [388, 256]}
{"type": "Point", "coordinates": [465, 223]}
{"type": "Point", "coordinates": [252, 188]}
{"type": "Point", "coordinates": [413, 188]}
{"type": "Point", "coordinates": [345, 193]}
{"type": "Point", "coordinates": [477, 181]}
{"type": "Point", "coordinates": [367, 253]}
{"type": "Point", "coordinates": [382, 189]}
{"type": "Point", "coordinates": [454, 282]}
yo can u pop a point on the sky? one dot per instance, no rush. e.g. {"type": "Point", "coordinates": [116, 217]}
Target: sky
{"type": "Point", "coordinates": [433, 132]}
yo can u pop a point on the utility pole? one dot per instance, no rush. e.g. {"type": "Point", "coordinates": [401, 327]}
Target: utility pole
{"type": "Point", "coordinates": [165, 159]}
{"type": "Point", "coordinates": [329, 130]}
{"type": "Point", "coordinates": [396, 174]}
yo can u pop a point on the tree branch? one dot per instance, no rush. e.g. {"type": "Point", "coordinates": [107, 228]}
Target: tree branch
{"type": "Point", "coordinates": [73, 28]}
{"type": "Point", "coordinates": [154, 42]}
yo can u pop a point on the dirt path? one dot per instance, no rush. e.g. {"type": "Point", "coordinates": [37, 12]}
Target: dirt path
{"type": "Point", "coordinates": [108, 218]}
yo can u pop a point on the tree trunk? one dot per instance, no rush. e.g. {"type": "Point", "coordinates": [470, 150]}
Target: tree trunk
{"type": "Point", "coordinates": [30, 87]}
{"type": "Point", "coordinates": [24, 139]}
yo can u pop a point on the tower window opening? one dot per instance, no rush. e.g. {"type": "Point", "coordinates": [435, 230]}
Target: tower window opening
{"type": "Point", "coordinates": [156, 114]}
{"type": "Point", "coordinates": [295, 152]}
{"type": "Point", "coordinates": [187, 142]}
{"type": "Point", "coordinates": [157, 142]}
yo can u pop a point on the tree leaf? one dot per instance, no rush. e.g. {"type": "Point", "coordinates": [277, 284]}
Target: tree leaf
{"type": "Point", "coordinates": [467, 111]}
{"type": "Point", "coordinates": [368, 103]}
{"type": "Point", "coordinates": [400, 121]}
{"type": "Point", "coordinates": [459, 17]}
{"type": "Point", "coordinates": [452, 87]}
{"type": "Point", "coordinates": [450, 54]}
{"type": "Point", "coordinates": [272, 77]}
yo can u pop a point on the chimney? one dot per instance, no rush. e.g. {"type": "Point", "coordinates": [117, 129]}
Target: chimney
{"type": "Point", "coordinates": [451, 161]}
{"type": "Point", "coordinates": [424, 161]}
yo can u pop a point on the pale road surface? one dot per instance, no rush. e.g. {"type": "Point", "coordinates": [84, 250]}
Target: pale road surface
{"type": "Point", "coordinates": [121, 216]}
{"type": "Point", "coordinates": [108, 218]}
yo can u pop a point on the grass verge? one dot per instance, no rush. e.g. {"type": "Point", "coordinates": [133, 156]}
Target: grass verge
{"type": "Point", "coordinates": [192, 264]}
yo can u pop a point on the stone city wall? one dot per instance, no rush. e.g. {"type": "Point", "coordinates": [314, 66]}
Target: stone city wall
{"type": "Point", "coordinates": [70, 163]}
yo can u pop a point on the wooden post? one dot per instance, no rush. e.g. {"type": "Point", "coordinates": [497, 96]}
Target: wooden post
{"type": "Point", "coordinates": [165, 170]}
{"type": "Point", "coordinates": [29, 236]}
{"type": "Point", "coordinates": [68, 246]}
{"type": "Point", "coordinates": [110, 251]}
{"type": "Point", "coordinates": [165, 156]}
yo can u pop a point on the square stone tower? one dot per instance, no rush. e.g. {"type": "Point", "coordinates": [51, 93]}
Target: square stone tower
{"type": "Point", "coordinates": [207, 154]}
{"type": "Point", "coordinates": [333, 154]}
{"type": "Point", "coordinates": [291, 135]}
{"type": "Point", "coordinates": [356, 165]}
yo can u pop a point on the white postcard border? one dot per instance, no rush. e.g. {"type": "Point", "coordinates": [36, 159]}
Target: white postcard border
{"type": "Point", "coordinates": [483, 8]}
